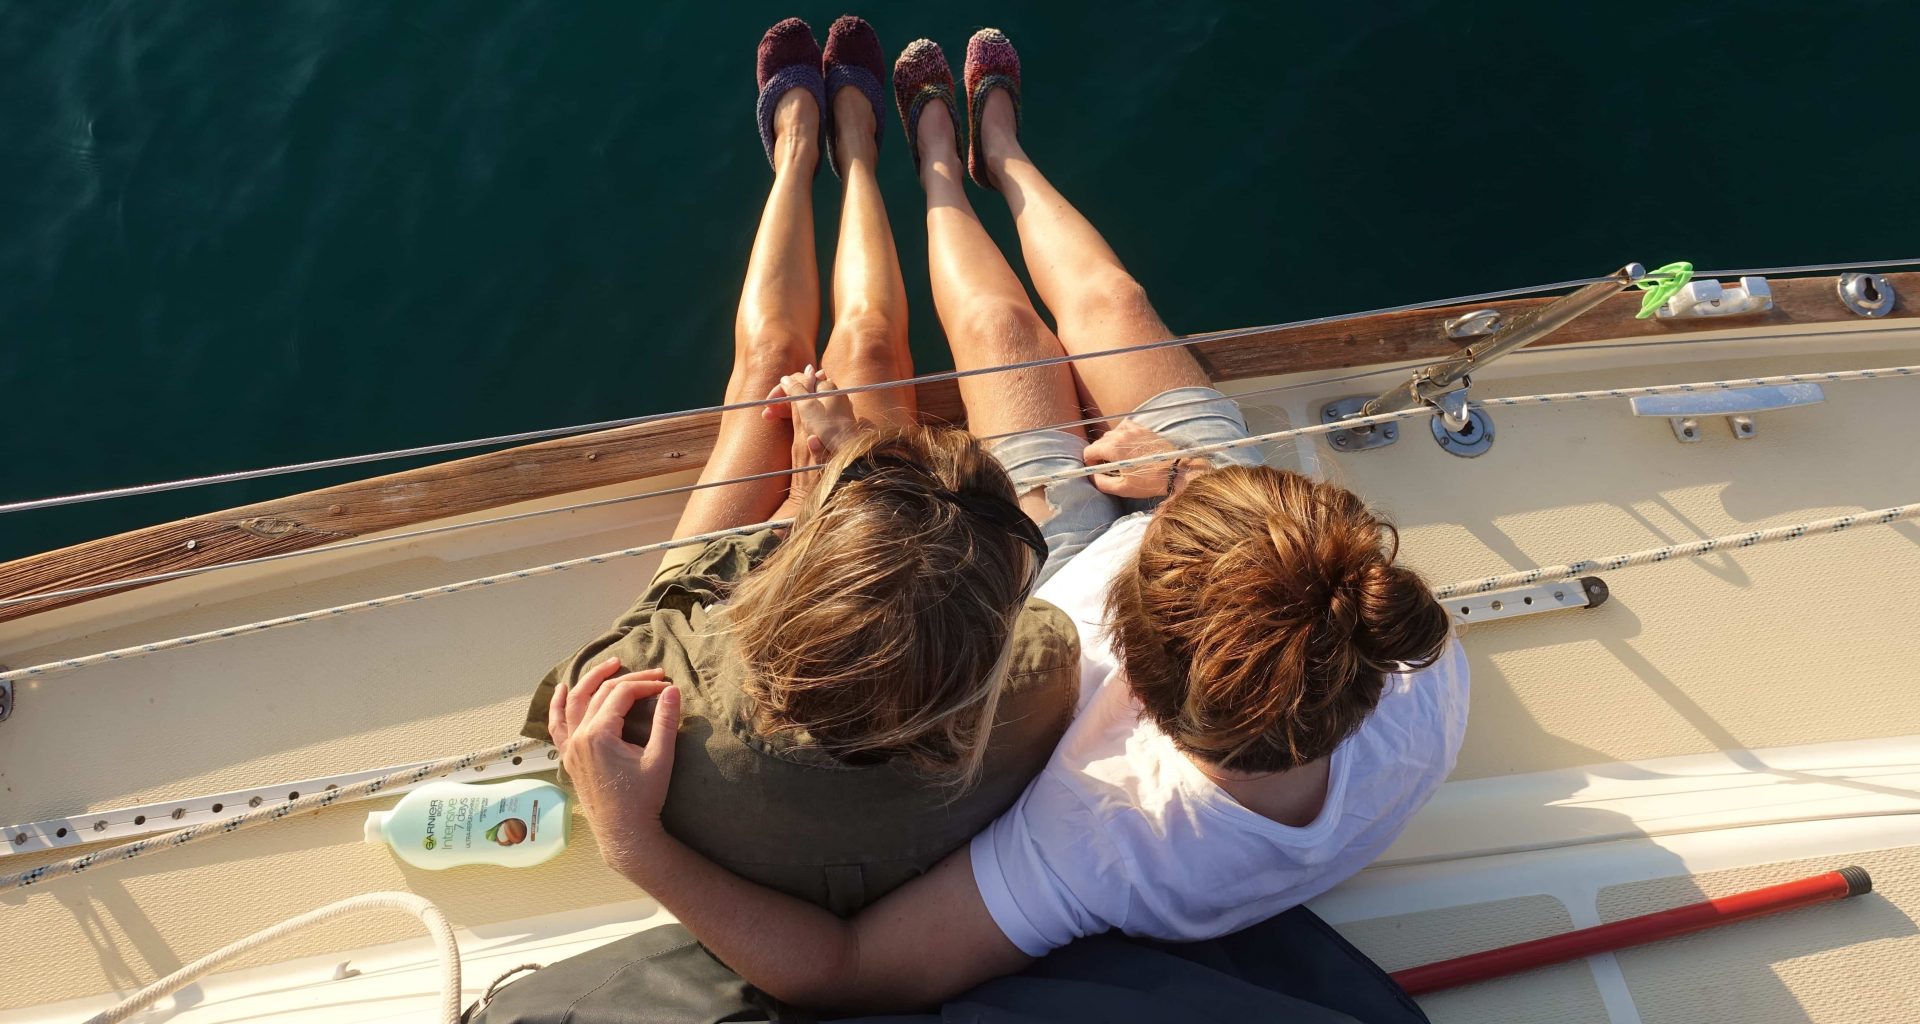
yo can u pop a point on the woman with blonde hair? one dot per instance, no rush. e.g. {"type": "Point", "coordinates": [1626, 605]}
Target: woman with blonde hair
{"type": "Point", "coordinates": [1266, 696]}
{"type": "Point", "coordinates": [860, 696]}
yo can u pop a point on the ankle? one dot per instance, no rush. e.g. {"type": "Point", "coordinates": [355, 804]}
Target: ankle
{"type": "Point", "coordinates": [935, 139]}
{"type": "Point", "coordinates": [1000, 144]}
{"type": "Point", "coordinates": [853, 125]}
{"type": "Point", "coordinates": [796, 152]}
{"type": "Point", "coordinates": [796, 131]}
{"type": "Point", "coordinates": [999, 129]}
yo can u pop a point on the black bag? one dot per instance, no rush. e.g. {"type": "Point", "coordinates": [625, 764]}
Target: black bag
{"type": "Point", "coordinates": [1292, 969]}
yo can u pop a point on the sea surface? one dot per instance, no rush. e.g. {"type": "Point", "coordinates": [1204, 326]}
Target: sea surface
{"type": "Point", "coordinates": [237, 234]}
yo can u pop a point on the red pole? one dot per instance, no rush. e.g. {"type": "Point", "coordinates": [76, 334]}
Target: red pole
{"type": "Point", "coordinates": [1663, 924]}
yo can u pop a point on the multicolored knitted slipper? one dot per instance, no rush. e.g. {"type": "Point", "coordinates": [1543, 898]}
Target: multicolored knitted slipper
{"type": "Point", "coordinates": [789, 58]}
{"type": "Point", "coordinates": [992, 63]}
{"type": "Point", "coordinates": [921, 76]}
{"type": "Point", "coordinates": [853, 58]}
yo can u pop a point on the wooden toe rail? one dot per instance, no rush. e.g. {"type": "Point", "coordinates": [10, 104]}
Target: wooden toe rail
{"type": "Point", "coordinates": [540, 470]}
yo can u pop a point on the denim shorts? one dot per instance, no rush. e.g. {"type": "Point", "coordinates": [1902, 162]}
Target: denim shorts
{"type": "Point", "coordinates": [1081, 511]}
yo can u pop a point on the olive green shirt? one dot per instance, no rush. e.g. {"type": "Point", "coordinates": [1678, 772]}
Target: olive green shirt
{"type": "Point", "coordinates": [784, 812]}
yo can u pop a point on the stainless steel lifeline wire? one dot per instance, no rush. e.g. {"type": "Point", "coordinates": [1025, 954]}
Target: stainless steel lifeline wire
{"type": "Point", "coordinates": [584, 428]}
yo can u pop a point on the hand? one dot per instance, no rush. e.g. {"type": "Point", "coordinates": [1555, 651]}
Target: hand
{"type": "Point", "coordinates": [1130, 440]}
{"type": "Point", "coordinates": [828, 417]}
{"type": "Point", "coordinates": [820, 425]}
{"type": "Point", "coordinates": [621, 787]}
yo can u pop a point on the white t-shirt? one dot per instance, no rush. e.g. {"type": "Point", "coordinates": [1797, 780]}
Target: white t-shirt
{"type": "Point", "coordinates": [1120, 830]}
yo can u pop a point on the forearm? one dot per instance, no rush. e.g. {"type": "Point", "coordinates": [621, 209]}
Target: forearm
{"type": "Point", "coordinates": [790, 949]}
{"type": "Point", "coordinates": [924, 942]}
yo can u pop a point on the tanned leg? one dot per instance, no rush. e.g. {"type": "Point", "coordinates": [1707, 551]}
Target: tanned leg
{"type": "Point", "coordinates": [869, 339]}
{"type": "Point", "coordinates": [982, 305]}
{"type": "Point", "coordinates": [773, 332]}
{"type": "Point", "coordinates": [1095, 302]}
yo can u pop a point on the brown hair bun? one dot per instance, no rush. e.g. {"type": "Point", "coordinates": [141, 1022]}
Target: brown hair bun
{"type": "Point", "coordinates": [1263, 615]}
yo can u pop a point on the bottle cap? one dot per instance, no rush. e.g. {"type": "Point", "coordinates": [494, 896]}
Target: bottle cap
{"type": "Point", "coordinates": [376, 827]}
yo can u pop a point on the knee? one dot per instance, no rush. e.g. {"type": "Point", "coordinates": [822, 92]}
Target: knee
{"type": "Point", "coordinates": [1115, 295]}
{"type": "Point", "coordinates": [764, 356]}
{"type": "Point", "coordinates": [870, 344]}
{"type": "Point", "coordinates": [1006, 332]}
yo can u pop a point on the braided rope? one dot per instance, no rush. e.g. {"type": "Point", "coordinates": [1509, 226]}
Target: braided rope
{"type": "Point", "coordinates": [228, 633]}
{"type": "Point", "coordinates": [317, 801]}
{"type": "Point", "coordinates": [428, 914]}
{"type": "Point", "coordinates": [260, 815]}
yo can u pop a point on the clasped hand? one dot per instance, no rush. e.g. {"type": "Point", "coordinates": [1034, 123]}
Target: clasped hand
{"type": "Point", "coordinates": [621, 786]}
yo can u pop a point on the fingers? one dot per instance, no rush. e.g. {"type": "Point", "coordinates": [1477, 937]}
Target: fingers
{"type": "Point", "coordinates": [600, 697]}
{"type": "Point", "coordinates": [1111, 483]}
{"type": "Point", "coordinates": [610, 716]}
{"type": "Point", "coordinates": [1098, 451]}
{"type": "Point", "coordinates": [658, 756]}
{"type": "Point", "coordinates": [582, 693]}
{"type": "Point", "coordinates": [780, 411]}
{"type": "Point", "coordinates": [802, 383]}
{"type": "Point", "coordinates": [557, 728]}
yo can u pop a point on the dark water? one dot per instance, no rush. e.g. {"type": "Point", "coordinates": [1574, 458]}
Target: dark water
{"type": "Point", "coordinates": [238, 234]}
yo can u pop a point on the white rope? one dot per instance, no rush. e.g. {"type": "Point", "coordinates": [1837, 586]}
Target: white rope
{"type": "Point", "coordinates": [1694, 549]}
{"type": "Point", "coordinates": [260, 815]}
{"type": "Point", "coordinates": [228, 633]}
{"type": "Point", "coordinates": [428, 914]}
{"type": "Point", "coordinates": [583, 428]}
{"type": "Point", "coordinates": [171, 840]}
{"type": "Point", "coordinates": [317, 801]}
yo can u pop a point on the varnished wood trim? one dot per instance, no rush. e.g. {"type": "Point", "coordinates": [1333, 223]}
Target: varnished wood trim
{"type": "Point", "coordinates": [628, 453]}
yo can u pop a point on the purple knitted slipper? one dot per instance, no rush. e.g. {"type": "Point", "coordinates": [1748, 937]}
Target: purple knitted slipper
{"type": "Point", "coordinates": [788, 59]}
{"type": "Point", "coordinates": [992, 63]}
{"type": "Point", "coordinates": [921, 76]}
{"type": "Point", "coordinates": [853, 58]}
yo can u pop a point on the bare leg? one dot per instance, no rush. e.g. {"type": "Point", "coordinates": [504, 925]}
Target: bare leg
{"type": "Point", "coordinates": [869, 339]}
{"type": "Point", "coordinates": [773, 333]}
{"type": "Point", "coordinates": [982, 305]}
{"type": "Point", "coordinates": [1095, 302]}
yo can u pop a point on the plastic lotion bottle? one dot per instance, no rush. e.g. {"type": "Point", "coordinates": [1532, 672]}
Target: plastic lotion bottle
{"type": "Point", "coordinates": [445, 824]}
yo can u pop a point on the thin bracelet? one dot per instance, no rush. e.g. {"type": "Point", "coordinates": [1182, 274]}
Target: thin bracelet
{"type": "Point", "coordinates": [1173, 474]}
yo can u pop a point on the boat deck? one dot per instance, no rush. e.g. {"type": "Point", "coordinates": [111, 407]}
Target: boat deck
{"type": "Point", "coordinates": [1789, 667]}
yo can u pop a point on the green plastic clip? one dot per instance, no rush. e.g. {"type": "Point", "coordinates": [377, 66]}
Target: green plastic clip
{"type": "Point", "coordinates": [1660, 285]}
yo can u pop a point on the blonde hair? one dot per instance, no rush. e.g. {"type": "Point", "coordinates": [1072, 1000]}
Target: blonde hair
{"type": "Point", "coordinates": [1263, 615]}
{"type": "Point", "coordinates": [881, 628]}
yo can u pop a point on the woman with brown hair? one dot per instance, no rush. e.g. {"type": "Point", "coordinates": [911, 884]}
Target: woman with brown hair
{"type": "Point", "coordinates": [862, 693]}
{"type": "Point", "coordinates": [1266, 697]}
